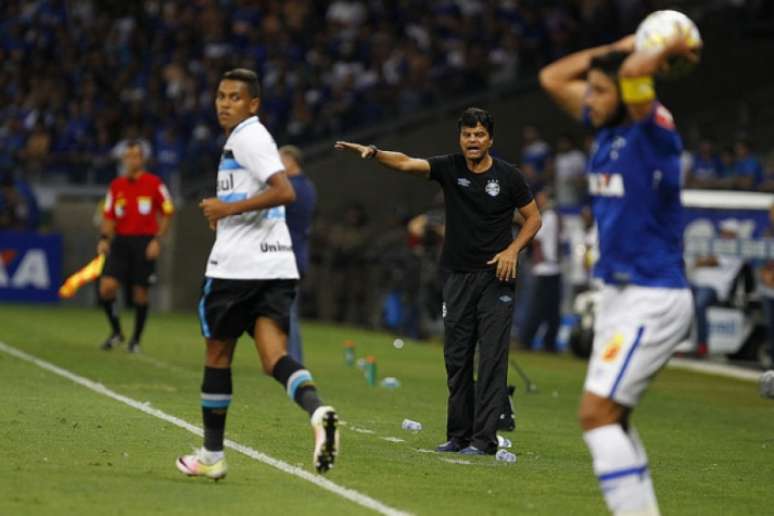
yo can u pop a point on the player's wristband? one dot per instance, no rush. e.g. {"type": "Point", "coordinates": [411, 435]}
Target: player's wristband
{"type": "Point", "coordinates": [375, 151]}
{"type": "Point", "coordinates": [105, 237]}
{"type": "Point", "coordinates": [635, 90]}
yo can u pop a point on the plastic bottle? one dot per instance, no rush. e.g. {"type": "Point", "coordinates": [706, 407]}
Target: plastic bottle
{"type": "Point", "coordinates": [390, 383]}
{"type": "Point", "coordinates": [411, 426]}
{"type": "Point", "coordinates": [505, 456]}
{"type": "Point", "coordinates": [370, 370]}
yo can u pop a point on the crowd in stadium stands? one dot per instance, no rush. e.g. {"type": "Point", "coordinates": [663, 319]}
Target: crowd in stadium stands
{"type": "Point", "coordinates": [77, 76]}
{"type": "Point", "coordinates": [729, 167]}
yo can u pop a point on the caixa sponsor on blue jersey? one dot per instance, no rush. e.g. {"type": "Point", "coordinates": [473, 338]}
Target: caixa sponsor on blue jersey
{"type": "Point", "coordinates": [606, 185]}
{"type": "Point", "coordinates": [30, 266]}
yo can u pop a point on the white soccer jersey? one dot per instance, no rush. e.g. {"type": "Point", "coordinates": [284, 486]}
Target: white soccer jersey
{"type": "Point", "coordinates": [253, 245]}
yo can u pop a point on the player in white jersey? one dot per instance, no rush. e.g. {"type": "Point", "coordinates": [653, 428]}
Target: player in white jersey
{"type": "Point", "coordinates": [251, 278]}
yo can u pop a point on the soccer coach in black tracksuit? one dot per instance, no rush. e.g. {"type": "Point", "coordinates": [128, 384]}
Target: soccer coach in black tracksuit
{"type": "Point", "coordinates": [480, 258]}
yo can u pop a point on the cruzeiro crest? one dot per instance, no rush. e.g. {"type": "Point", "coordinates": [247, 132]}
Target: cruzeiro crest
{"type": "Point", "coordinates": [492, 187]}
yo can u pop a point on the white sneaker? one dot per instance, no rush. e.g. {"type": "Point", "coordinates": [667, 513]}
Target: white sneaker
{"type": "Point", "coordinates": [326, 438]}
{"type": "Point", "coordinates": [203, 463]}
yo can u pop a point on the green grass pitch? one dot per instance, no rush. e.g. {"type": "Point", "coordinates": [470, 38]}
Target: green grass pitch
{"type": "Point", "coordinates": [68, 450]}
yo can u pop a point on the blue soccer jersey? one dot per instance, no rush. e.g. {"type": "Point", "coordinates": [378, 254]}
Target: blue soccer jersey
{"type": "Point", "coordinates": [634, 180]}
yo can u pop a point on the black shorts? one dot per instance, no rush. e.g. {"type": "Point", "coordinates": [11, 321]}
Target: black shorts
{"type": "Point", "coordinates": [228, 308]}
{"type": "Point", "coordinates": [127, 263]}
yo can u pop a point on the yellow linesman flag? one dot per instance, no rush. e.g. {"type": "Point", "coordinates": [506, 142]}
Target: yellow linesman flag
{"type": "Point", "coordinates": [87, 274]}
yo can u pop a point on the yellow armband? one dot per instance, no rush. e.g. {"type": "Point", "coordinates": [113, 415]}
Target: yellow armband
{"type": "Point", "coordinates": [637, 89]}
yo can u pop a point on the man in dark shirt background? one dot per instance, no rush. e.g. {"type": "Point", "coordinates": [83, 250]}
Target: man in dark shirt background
{"type": "Point", "coordinates": [298, 216]}
{"type": "Point", "coordinates": [480, 259]}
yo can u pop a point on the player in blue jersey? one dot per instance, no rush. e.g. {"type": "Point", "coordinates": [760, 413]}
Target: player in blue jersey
{"type": "Point", "coordinates": [645, 307]}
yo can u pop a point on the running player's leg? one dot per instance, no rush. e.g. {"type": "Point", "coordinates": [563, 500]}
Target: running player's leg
{"type": "Point", "coordinates": [222, 322]}
{"type": "Point", "coordinates": [271, 343]}
{"type": "Point", "coordinates": [216, 391]}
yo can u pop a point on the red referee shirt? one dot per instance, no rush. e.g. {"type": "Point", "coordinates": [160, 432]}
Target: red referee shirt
{"type": "Point", "coordinates": [134, 204]}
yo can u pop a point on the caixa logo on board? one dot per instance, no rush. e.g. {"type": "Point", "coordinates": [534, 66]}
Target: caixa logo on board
{"type": "Point", "coordinates": [29, 270]}
{"type": "Point", "coordinates": [30, 266]}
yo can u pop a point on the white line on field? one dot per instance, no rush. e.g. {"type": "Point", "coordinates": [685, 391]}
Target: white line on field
{"type": "Point", "coordinates": [160, 364]}
{"type": "Point", "coordinates": [736, 372]}
{"type": "Point", "coordinates": [345, 492]}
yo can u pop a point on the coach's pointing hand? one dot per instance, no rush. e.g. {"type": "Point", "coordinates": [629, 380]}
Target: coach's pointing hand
{"type": "Point", "coordinates": [506, 263]}
{"type": "Point", "coordinates": [364, 150]}
{"type": "Point", "coordinates": [214, 209]}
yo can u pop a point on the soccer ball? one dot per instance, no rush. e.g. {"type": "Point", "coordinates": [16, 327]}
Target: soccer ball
{"type": "Point", "coordinates": [660, 27]}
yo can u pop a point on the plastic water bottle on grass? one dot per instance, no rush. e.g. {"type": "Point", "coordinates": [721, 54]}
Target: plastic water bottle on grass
{"type": "Point", "coordinates": [505, 456]}
{"type": "Point", "coordinates": [411, 426]}
{"type": "Point", "coordinates": [390, 383]}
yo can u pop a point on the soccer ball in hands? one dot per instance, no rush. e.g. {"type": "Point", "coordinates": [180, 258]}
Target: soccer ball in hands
{"type": "Point", "coordinates": [660, 27]}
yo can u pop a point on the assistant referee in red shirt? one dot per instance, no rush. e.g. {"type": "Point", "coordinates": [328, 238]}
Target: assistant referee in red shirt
{"type": "Point", "coordinates": [137, 212]}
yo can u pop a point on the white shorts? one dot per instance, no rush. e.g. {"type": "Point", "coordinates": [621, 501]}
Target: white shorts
{"type": "Point", "coordinates": [636, 331]}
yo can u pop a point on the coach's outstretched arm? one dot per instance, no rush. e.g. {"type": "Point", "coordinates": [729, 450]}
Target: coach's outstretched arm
{"type": "Point", "coordinates": [565, 79]}
{"type": "Point", "coordinates": [390, 159]}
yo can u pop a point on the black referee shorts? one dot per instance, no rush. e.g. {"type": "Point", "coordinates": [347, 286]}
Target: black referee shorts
{"type": "Point", "coordinates": [228, 308]}
{"type": "Point", "coordinates": [127, 262]}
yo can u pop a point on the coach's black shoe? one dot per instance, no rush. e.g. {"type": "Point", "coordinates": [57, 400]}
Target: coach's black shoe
{"type": "Point", "coordinates": [113, 341]}
{"type": "Point", "coordinates": [450, 446]}
{"type": "Point", "coordinates": [133, 347]}
{"type": "Point", "coordinates": [472, 450]}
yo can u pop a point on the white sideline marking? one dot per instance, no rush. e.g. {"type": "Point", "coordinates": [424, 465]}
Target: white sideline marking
{"type": "Point", "coordinates": [160, 364]}
{"type": "Point", "coordinates": [345, 492]}
{"type": "Point", "coordinates": [394, 439]}
{"type": "Point", "coordinates": [736, 372]}
{"type": "Point", "coordinates": [361, 430]}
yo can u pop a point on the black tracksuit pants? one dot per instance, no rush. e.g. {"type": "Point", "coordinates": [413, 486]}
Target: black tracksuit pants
{"type": "Point", "coordinates": [478, 309]}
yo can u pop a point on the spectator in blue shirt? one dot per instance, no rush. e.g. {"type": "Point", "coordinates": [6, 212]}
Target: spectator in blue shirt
{"type": "Point", "coordinates": [747, 168]}
{"type": "Point", "coordinates": [705, 171]}
{"type": "Point", "coordinates": [18, 205]}
{"type": "Point", "coordinates": [534, 151]}
{"type": "Point", "coordinates": [298, 216]}
{"type": "Point", "coordinates": [169, 154]}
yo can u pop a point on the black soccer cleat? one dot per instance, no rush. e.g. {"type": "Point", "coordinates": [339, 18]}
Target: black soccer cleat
{"type": "Point", "coordinates": [326, 438]}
